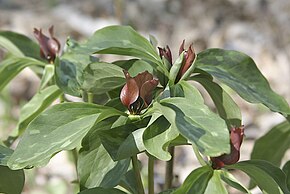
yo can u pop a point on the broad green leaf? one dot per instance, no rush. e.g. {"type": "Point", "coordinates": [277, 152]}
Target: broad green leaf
{"type": "Point", "coordinates": [286, 170]}
{"type": "Point", "coordinates": [12, 65]}
{"type": "Point", "coordinates": [129, 182]}
{"type": "Point", "coordinates": [19, 45]}
{"type": "Point", "coordinates": [226, 106]}
{"type": "Point", "coordinates": [48, 74]}
{"type": "Point", "coordinates": [273, 145]}
{"type": "Point", "coordinates": [100, 190]}
{"type": "Point", "coordinates": [36, 105]}
{"type": "Point", "coordinates": [68, 76]}
{"type": "Point", "coordinates": [215, 184]}
{"type": "Point", "coordinates": [196, 182]}
{"type": "Point", "coordinates": [95, 166]}
{"type": "Point", "coordinates": [157, 136]}
{"type": "Point", "coordinates": [125, 140]}
{"type": "Point", "coordinates": [175, 68]}
{"type": "Point", "coordinates": [100, 77]}
{"type": "Point", "coordinates": [132, 145]}
{"type": "Point", "coordinates": [240, 72]}
{"type": "Point", "coordinates": [5, 154]}
{"type": "Point", "coordinates": [61, 127]}
{"type": "Point", "coordinates": [134, 66]}
{"type": "Point", "coordinates": [233, 182]}
{"type": "Point", "coordinates": [122, 40]}
{"type": "Point", "coordinates": [11, 181]}
{"type": "Point", "coordinates": [269, 178]}
{"type": "Point", "coordinates": [198, 124]}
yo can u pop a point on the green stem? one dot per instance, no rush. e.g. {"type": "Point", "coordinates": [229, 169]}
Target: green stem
{"type": "Point", "coordinates": [150, 174]}
{"type": "Point", "coordinates": [90, 97]}
{"type": "Point", "coordinates": [75, 156]}
{"type": "Point", "coordinates": [169, 169]}
{"type": "Point", "coordinates": [198, 156]}
{"type": "Point", "coordinates": [137, 175]}
{"type": "Point", "coordinates": [61, 98]}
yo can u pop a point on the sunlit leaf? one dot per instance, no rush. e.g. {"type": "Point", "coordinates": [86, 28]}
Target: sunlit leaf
{"type": "Point", "coordinates": [240, 72]}
{"type": "Point", "coordinates": [198, 124]}
{"type": "Point", "coordinates": [13, 65]}
{"type": "Point", "coordinates": [215, 184]}
{"type": "Point", "coordinates": [36, 105]}
{"type": "Point", "coordinates": [227, 108]}
{"type": "Point", "coordinates": [196, 182]}
{"type": "Point", "coordinates": [61, 127]}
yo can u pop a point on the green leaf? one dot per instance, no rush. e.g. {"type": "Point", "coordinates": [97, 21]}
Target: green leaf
{"type": "Point", "coordinates": [233, 182]}
{"type": "Point", "coordinates": [273, 145]}
{"type": "Point", "coordinates": [100, 77]}
{"type": "Point", "coordinates": [96, 168]}
{"type": "Point", "coordinates": [12, 65]}
{"type": "Point", "coordinates": [226, 106]}
{"type": "Point", "coordinates": [11, 181]}
{"type": "Point", "coordinates": [196, 182]}
{"type": "Point", "coordinates": [157, 136]}
{"type": "Point", "coordinates": [129, 182]}
{"type": "Point", "coordinates": [175, 68]}
{"type": "Point", "coordinates": [61, 127]}
{"type": "Point", "coordinates": [132, 145]}
{"type": "Point", "coordinates": [215, 184]}
{"type": "Point", "coordinates": [198, 124]}
{"type": "Point", "coordinates": [36, 105]}
{"type": "Point", "coordinates": [135, 66]}
{"type": "Point", "coordinates": [48, 74]}
{"type": "Point", "coordinates": [5, 154]}
{"type": "Point", "coordinates": [286, 170]}
{"type": "Point", "coordinates": [122, 40]}
{"type": "Point", "coordinates": [68, 76]}
{"type": "Point", "coordinates": [240, 72]}
{"type": "Point", "coordinates": [269, 178]}
{"type": "Point", "coordinates": [100, 190]}
{"type": "Point", "coordinates": [19, 45]}
{"type": "Point", "coordinates": [125, 140]}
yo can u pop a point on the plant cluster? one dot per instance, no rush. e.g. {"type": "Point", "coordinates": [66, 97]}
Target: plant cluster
{"type": "Point", "coordinates": [144, 104]}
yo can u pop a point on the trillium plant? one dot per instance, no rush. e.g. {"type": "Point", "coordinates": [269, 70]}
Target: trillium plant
{"type": "Point", "coordinates": [148, 104]}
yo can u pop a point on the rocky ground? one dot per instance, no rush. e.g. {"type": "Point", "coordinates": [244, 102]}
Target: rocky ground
{"type": "Point", "coordinates": [260, 29]}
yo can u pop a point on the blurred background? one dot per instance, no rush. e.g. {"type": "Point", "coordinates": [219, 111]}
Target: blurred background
{"type": "Point", "coordinates": [258, 28]}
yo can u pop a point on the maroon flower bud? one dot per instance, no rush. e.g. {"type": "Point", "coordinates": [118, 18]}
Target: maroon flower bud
{"type": "Point", "coordinates": [49, 46]}
{"type": "Point", "coordinates": [189, 57]}
{"type": "Point", "coordinates": [137, 92]}
{"type": "Point", "coordinates": [166, 53]}
{"type": "Point", "coordinates": [236, 138]}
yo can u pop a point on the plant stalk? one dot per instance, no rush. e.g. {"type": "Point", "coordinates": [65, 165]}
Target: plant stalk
{"type": "Point", "coordinates": [137, 175]}
{"type": "Point", "coordinates": [169, 169]}
{"type": "Point", "coordinates": [90, 97]}
{"type": "Point", "coordinates": [150, 174]}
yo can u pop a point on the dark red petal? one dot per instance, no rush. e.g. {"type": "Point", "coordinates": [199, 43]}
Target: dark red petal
{"type": "Point", "coordinates": [43, 43]}
{"type": "Point", "coordinates": [130, 92]}
{"type": "Point", "coordinates": [181, 48]}
{"type": "Point", "coordinates": [161, 52]}
{"type": "Point", "coordinates": [236, 138]}
{"type": "Point", "coordinates": [189, 58]}
{"type": "Point", "coordinates": [141, 78]}
{"type": "Point", "coordinates": [168, 54]}
{"type": "Point", "coordinates": [237, 134]}
{"type": "Point", "coordinates": [147, 89]}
